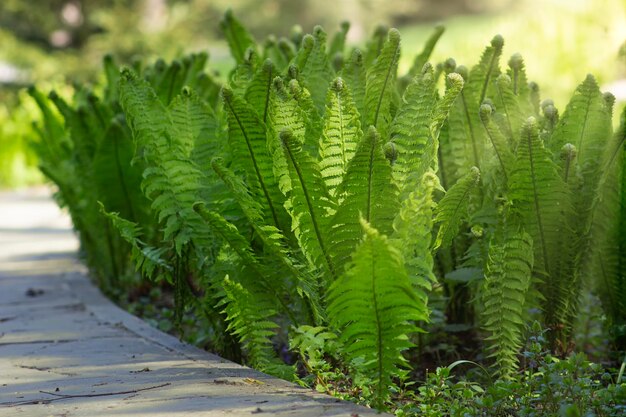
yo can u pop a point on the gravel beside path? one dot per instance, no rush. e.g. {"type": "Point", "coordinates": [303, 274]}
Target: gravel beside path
{"type": "Point", "coordinates": [67, 351]}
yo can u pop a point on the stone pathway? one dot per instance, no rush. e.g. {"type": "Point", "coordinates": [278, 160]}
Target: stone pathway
{"type": "Point", "coordinates": [67, 351]}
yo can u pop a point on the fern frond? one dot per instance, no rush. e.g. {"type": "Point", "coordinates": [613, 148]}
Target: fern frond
{"type": "Point", "coordinates": [338, 43]}
{"type": "Point", "coordinates": [499, 142]}
{"type": "Point", "coordinates": [605, 270]}
{"type": "Point", "coordinates": [509, 105]}
{"type": "Point", "coordinates": [192, 120]}
{"type": "Point", "coordinates": [118, 181]}
{"type": "Point", "coordinates": [259, 89]}
{"type": "Point", "coordinates": [381, 81]}
{"type": "Point", "coordinates": [171, 180]}
{"type": "Point", "coordinates": [259, 275]}
{"type": "Point", "coordinates": [410, 129]}
{"type": "Point", "coordinates": [454, 86]}
{"type": "Point", "coordinates": [353, 73]}
{"type": "Point", "coordinates": [586, 123]}
{"type": "Point", "coordinates": [452, 210]}
{"type": "Point", "coordinates": [342, 133]}
{"type": "Point", "coordinates": [315, 71]}
{"type": "Point", "coordinates": [366, 192]}
{"type": "Point", "coordinates": [412, 235]}
{"type": "Point", "coordinates": [247, 136]}
{"type": "Point", "coordinates": [507, 280]}
{"type": "Point", "coordinates": [148, 260]}
{"type": "Point", "coordinates": [486, 70]}
{"type": "Point", "coordinates": [308, 201]}
{"type": "Point", "coordinates": [541, 199]}
{"type": "Point", "coordinates": [249, 319]}
{"type": "Point", "coordinates": [239, 39]}
{"type": "Point", "coordinates": [372, 306]}
{"type": "Point", "coordinates": [241, 76]}
{"type": "Point", "coordinates": [429, 46]}
{"type": "Point", "coordinates": [375, 45]}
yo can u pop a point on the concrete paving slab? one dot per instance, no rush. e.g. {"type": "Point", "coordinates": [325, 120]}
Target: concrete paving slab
{"type": "Point", "coordinates": [65, 350]}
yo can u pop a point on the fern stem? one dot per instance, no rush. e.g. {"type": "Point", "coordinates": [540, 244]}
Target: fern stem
{"type": "Point", "coordinates": [257, 170]}
{"type": "Point", "coordinates": [312, 211]}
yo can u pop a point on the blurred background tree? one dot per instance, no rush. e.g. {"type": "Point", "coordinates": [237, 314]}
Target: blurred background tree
{"type": "Point", "coordinates": [53, 42]}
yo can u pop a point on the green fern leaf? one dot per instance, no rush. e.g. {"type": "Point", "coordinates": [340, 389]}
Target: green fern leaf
{"type": "Point", "coordinates": [410, 129]}
{"type": "Point", "coordinates": [149, 260]}
{"type": "Point", "coordinates": [507, 280]}
{"type": "Point", "coordinates": [308, 201]}
{"type": "Point", "coordinates": [453, 208]}
{"type": "Point", "coordinates": [423, 57]}
{"type": "Point", "coordinates": [484, 72]}
{"type": "Point", "coordinates": [540, 197]}
{"type": "Point", "coordinates": [192, 120]}
{"type": "Point", "coordinates": [501, 146]}
{"type": "Point", "coordinates": [508, 104]}
{"type": "Point", "coordinates": [342, 133]}
{"type": "Point", "coordinates": [366, 192]}
{"type": "Point", "coordinates": [454, 86]}
{"type": "Point", "coordinates": [372, 306]}
{"type": "Point", "coordinates": [239, 39]}
{"type": "Point", "coordinates": [353, 73]}
{"type": "Point", "coordinates": [314, 67]}
{"type": "Point", "coordinates": [258, 91]}
{"type": "Point", "coordinates": [380, 88]}
{"type": "Point", "coordinates": [412, 235]}
{"type": "Point", "coordinates": [338, 43]}
{"type": "Point", "coordinates": [247, 136]}
{"type": "Point", "coordinates": [249, 319]}
{"type": "Point", "coordinates": [375, 45]}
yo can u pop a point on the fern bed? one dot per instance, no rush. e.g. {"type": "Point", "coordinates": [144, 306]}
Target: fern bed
{"type": "Point", "coordinates": [440, 242]}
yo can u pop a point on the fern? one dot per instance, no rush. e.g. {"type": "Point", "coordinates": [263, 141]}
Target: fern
{"type": "Point", "coordinates": [412, 235]}
{"type": "Point", "coordinates": [501, 146]}
{"type": "Point", "coordinates": [539, 196]}
{"type": "Point", "coordinates": [429, 46]}
{"type": "Point", "coordinates": [147, 259]}
{"type": "Point", "coordinates": [249, 146]}
{"type": "Point", "coordinates": [239, 39]}
{"type": "Point", "coordinates": [510, 107]}
{"type": "Point", "coordinates": [353, 73]}
{"type": "Point", "coordinates": [338, 43]}
{"type": "Point", "coordinates": [452, 210]}
{"type": "Point", "coordinates": [258, 91]}
{"type": "Point", "coordinates": [366, 192]}
{"type": "Point", "coordinates": [380, 92]}
{"type": "Point", "coordinates": [308, 201]}
{"type": "Point", "coordinates": [249, 319]}
{"type": "Point", "coordinates": [507, 280]}
{"type": "Point", "coordinates": [372, 306]}
{"type": "Point", "coordinates": [342, 133]}
{"type": "Point", "coordinates": [316, 72]}
{"type": "Point", "coordinates": [410, 129]}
